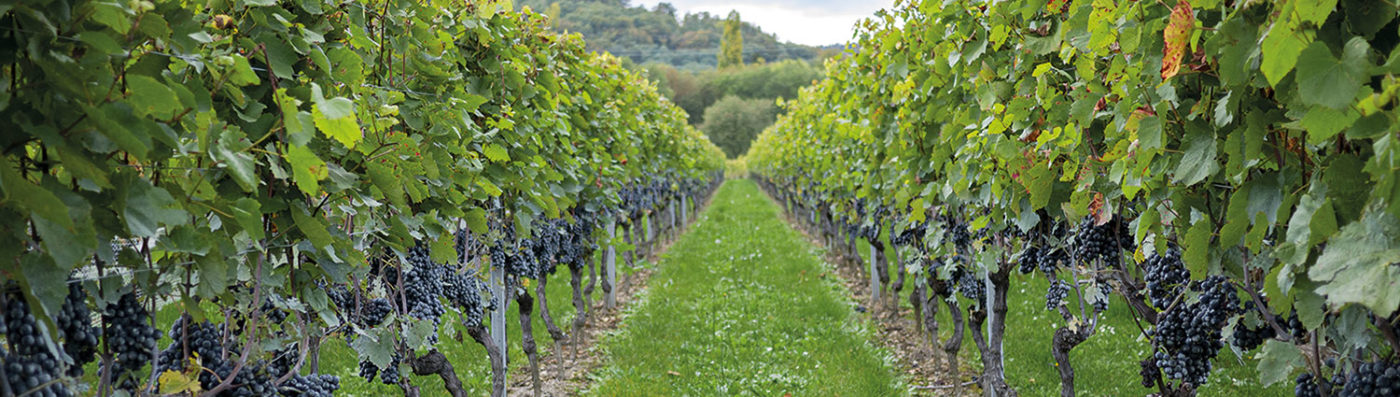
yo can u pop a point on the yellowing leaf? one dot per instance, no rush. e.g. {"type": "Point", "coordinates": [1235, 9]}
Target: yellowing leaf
{"type": "Point", "coordinates": [173, 382]}
{"type": "Point", "coordinates": [1175, 38]}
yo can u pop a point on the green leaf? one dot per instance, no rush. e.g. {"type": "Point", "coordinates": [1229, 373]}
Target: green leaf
{"type": "Point", "coordinates": [336, 118]}
{"type": "Point", "coordinates": [1323, 80]}
{"type": "Point", "coordinates": [248, 214]}
{"type": "Point", "coordinates": [113, 15]}
{"type": "Point", "coordinates": [48, 283]}
{"type": "Point", "coordinates": [347, 67]}
{"type": "Point", "coordinates": [1199, 161]}
{"type": "Point", "coordinates": [147, 208]}
{"type": "Point", "coordinates": [476, 220]}
{"type": "Point", "coordinates": [150, 97]}
{"type": "Point", "coordinates": [495, 153]}
{"type": "Point", "coordinates": [243, 74]}
{"type": "Point", "coordinates": [114, 120]}
{"type": "Point", "coordinates": [1323, 123]}
{"type": "Point", "coordinates": [307, 169]}
{"type": "Point", "coordinates": [231, 155]}
{"type": "Point", "coordinates": [280, 56]}
{"type": "Point", "coordinates": [102, 42]}
{"type": "Point", "coordinates": [1357, 265]}
{"type": "Point", "coordinates": [1281, 49]}
{"type": "Point", "coordinates": [1150, 133]}
{"type": "Point", "coordinates": [377, 347]}
{"type": "Point", "coordinates": [1314, 11]}
{"type": "Point", "coordinates": [1042, 178]}
{"type": "Point", "coordinates": [1196, 248]}
{"type": "Point", "coordinates": [213, 275]}
{"type": "Point", "coordinates": [1277, 360]}
{"type": "Point", "coordinates": [25, 195]}
{"type": "Point", "coordinates": [388, 183]}
{"type": "Point", "coordinates": [313, 227]}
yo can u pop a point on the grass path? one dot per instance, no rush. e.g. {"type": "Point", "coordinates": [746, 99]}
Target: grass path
{"type": "Point", "coordinates": [742, 305]}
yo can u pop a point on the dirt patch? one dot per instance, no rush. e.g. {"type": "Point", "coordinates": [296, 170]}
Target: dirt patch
{"type": "Point", "coordinates": [922, 365]}
{"type": "Point", "coordinates": [572, 377]}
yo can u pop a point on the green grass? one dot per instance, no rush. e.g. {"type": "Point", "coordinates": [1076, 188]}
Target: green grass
{"type": "Point", "coordinates": [742, 305]}
{"type": "Point", "coordinates": [1105, 365]}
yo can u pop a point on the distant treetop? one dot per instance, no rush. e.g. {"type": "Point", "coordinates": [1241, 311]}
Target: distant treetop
{"type": "Point", "coordinates": [689, 41]}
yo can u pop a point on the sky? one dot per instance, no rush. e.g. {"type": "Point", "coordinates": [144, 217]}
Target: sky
{"type": "Point", "coordinates": [810, 22]}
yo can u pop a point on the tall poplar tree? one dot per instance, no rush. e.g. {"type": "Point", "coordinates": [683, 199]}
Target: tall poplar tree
{"type": "Point", "coordinates": [731, 47]}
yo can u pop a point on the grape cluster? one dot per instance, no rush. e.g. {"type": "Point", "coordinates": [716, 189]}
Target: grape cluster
{"type": "Point", "coordinates": [204, 340]}
{"type": "Point", "coordinates": [1189, 335]}
{"type": "Point", "coordinates": [422, 284]}
{"type": "Point", "coordinates": [955, 232]}
{"type": "Point", "coordinates": [75, 327]}
{"type": "Point", "coordinates": [1104, 242]}
{"type": "Point", "coordinates": [970, 285]}
{"type": "Point", "coordinates": [1247, 338]}
{"type": "Point", "coordinates": [1165, 275]}
{"type": "Point", "coordinates": [1307, 385]}
{"type": "Point", "coordinates": [389, 375]}
{"type": "Point", "coordinates": [913, 234]}
{"type": "Point", "coordinates": [1043, 258]}
{"type": "Point", "coordinates": [310, 386]}
{"type": "Point", "coordinates": [130, 336]}
{"type": "Point", "coordinates": [463, 291]}
{"type": "Point", "coordinates": [1373, 379]}
{"type": "Point", "coordinates": [29, 364]}
{"type": "Point", "coordinates": [1056, 294]}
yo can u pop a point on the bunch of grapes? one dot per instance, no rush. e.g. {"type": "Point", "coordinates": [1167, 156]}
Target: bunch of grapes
{"type": "Point", "coordinates": [970, 285]}
{"type": "Point", "coordinates": [75, 327]}
{"type": "Point", "coordinates": [188, 340]}
{"type": "Point", "coordinates": [388, 375]}
{"type": "Point", "coordinates": [1056, 294]}
{"type": "Point", "coordinates": [1165, 276]}
{"type": "Point", "coordinates": [1247, 338]}
{"type": "Point", "coordinates": [1189, 335]}
{"type": "Point", "coordinates": [1307, 385]}
{"type": "Point", "coordinates": [913, 234]}
{"type": "Point", "coordinates": [1373, 379]}
{"type": "Point", "coordinates": [30, 367]}
{"type": "Point", "coordinates": [129, 335]}
{"type": "Point", "coordinates": [204, 340]}
{"type": "Point", "coordinates": [1028, 259]}
{"type": "Point", "coordinates": [1104, 242]}
{"type": "Point", "coordinates": [463, 291]}
{"type": "Point", "coordinates": [310, 386]}
{"type": "Point", "coordinates": [422, 284]}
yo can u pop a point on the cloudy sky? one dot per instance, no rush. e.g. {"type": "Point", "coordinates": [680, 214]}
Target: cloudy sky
{"type": "Point", "coordinates": [811, 22]}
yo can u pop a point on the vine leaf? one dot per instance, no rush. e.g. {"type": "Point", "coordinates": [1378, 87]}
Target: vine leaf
{"type": "Point", "coordinates": [335, 117]}
{"type": "Point", "coordinates": [151, 97]}
{"type": "Point", "coordinates": [173, 382]}
{"type": "Point", "coordinates": [1199, 161]}
{"type": "Point", "coordinates": [148, 208]}
{"type": "Point", "coordinates": [1324, 80]}
{"type": "Point", "coordinates": [1175, 38]}
{"type": "Point", "coordinates": [307, 169]}
{"type": "Point", "coordinates": [1277, 361]}
{"type": "Point", "coordinates": [313, 227]}
{"type": "Point", "coordinates": [1356, 266]}
{"type": "Point", "coordinates": [1197, 248]}
{"type": "Point", "coordinates": [1281, 48]}
{"type": "Point", "coordinates": [113, 15]}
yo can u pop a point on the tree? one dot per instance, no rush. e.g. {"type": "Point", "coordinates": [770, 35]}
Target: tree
{"type": "Point", "coordinates": [731, 47]}
{"type": "Point", "coordinates": [733, 122]}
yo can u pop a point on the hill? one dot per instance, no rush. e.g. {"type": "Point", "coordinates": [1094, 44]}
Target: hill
{"type": "Point", "coordinates": [643, 35]}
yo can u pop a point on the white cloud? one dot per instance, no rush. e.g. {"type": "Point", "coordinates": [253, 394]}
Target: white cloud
{"type": "Point", "coordinates": [811, 22]}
